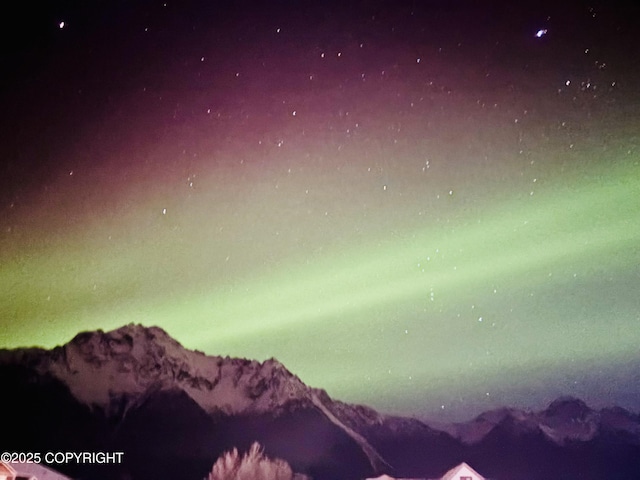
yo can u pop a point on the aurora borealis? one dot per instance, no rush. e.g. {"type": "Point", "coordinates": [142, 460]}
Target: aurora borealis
{"type": "Point", "coordinates": [412, 209]}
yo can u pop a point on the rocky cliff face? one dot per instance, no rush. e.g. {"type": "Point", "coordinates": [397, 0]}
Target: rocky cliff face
{"type": "Point", "coordinates": [133, 376]}
{"type": "Point", "coordinates": [174, 411]}
{"type": "Point", "coordinates": [564, 421]}
{"type": "Point", "coordinates": [102, 368]}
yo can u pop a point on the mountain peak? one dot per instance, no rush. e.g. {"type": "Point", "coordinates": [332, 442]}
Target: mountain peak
{"type": "Point", "coordinates": [105, 369]}
{"type": "Point", "coordinates": [567, 407]}
{"type": "Point", "coordinates": [124, 336]}
{"type": "Point", "coordinates": [127, 369]}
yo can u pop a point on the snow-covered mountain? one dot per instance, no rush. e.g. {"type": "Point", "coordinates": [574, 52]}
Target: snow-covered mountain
{"type": "Point", "coordinates": [103, 369]}
{"type": "Point", "coordinates": [173, 411]}
{"type": "Point", "coordinates": [118, 372]}
{"type": "Point", "coordinates": [565, 420]}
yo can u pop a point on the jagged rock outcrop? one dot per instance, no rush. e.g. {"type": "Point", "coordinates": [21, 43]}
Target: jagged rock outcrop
{"type": "Point", "coordinates": [131, 375]}
{"type": "Point", "coordinates": [175, 411]}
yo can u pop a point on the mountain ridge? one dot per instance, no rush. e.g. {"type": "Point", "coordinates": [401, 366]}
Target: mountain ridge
{"type": "Point", "coordinates": [566, 419]}
{"type": "Point", "coordinates": [134, 358]}
{"type": "Point", "coordinates": [136, 388]}
{"type": "Point", "coordinates": [118, 371]}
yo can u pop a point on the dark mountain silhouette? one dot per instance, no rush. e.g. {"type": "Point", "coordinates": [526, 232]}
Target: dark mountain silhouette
{"type": "Point", "coordinates": [173, 412]}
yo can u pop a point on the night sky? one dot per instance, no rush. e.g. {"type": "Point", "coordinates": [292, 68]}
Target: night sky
{"type": "Point", "coordinates": [429, 207]}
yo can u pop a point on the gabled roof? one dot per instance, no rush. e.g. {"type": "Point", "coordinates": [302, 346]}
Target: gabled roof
{"type": "Point", "coordinates": [6, 468]}
{"type": "Point", "coordinates": [37, 471]}
{"type": "Point", "coordinates": [461, 470]}
{"type": "Point", "coordinates": [387, 477]}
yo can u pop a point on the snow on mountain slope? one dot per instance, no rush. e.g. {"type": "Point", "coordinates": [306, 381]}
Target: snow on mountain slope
{"type": "Point", "coordinates": [128, 372]}
{"type": "Point", "coordinates": [474, 431]}
{"type": "Point", "coordinates": [100, 368]}
{"type": "Point", "coordinates": [377, 462]}
{"type": "Point", "coordinates": [564, 420]}
{"type": "Point", "coordinates": [117, 370]}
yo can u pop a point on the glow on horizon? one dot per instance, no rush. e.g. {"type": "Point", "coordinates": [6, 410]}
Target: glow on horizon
{"type": "Point", "coordinates": [410, 289]}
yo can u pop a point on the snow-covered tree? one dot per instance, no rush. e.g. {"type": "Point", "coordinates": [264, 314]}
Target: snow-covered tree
{"type": "Point", "coordinates": [253, 465]}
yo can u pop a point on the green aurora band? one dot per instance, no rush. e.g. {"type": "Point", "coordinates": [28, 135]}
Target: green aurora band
{"type": "Point", "coordinates": [515, 286]}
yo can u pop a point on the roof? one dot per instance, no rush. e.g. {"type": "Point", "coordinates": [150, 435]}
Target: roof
{"type": "Point", "coordinates": [6, 468]}
{"type": "Point", "coordinates": [459, 470]}
{"type": "Point", "coordinates": [37, 471]}
{"type": "Point", "coordinates": [463, 467]}
{"type": "Point", "coordinates": [387, 477]}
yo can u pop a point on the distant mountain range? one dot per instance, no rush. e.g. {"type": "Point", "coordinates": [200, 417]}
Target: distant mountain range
{"type": "Point", "coordinates": [173, 412]}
